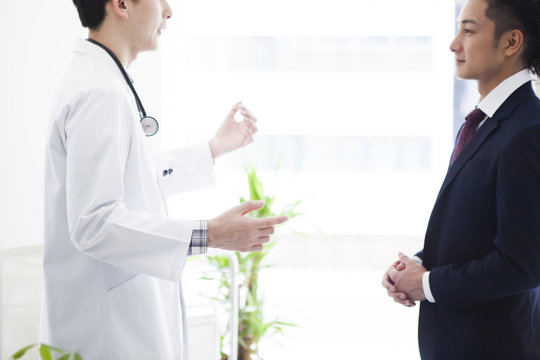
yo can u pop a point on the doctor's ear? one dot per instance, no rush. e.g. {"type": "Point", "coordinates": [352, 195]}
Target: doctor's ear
{"type": "Point", "coordinates": [119, 8]}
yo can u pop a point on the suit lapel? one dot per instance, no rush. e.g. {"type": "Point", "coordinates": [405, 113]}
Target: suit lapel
{"type": "Point", "coordinates": [469, 150]}
{"type": "Point", "coordinates": [504, 112]}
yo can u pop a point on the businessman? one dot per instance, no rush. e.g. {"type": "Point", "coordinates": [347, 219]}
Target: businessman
{"type": "Point", "coordinates": [478, 275]}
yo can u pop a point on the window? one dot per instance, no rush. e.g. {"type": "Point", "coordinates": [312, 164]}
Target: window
{"type": "Point", "coordinates": [354, 96]}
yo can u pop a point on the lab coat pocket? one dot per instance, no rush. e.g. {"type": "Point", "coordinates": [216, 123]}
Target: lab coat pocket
{"type": "Point", "coordinates": [126, 314]}
{"type": "Point", "coordinates": [135, 323]}
{"type": "Point", "coordinates": [115, 277]}
{"type": "Point", "coordinates": [122, 290]}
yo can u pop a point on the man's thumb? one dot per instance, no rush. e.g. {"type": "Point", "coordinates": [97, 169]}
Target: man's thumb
{"type": "Point", "coordinates": [234, 109]}
{"type": "Point", "coordinates": [404, 258]}
{"type": "Point", "coordinates": [249, 206]}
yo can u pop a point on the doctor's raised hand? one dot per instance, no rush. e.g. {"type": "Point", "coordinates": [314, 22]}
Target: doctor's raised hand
{"type": "Point", "coordinates": [232, 230]}
{"type": "Point", "coordinates": [233, 135]}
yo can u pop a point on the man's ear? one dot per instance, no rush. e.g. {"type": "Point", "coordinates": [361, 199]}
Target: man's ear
{"type": "Point", "coordinates": [119, 8]}
{"type": "Point", "coordinates": [513, 42]}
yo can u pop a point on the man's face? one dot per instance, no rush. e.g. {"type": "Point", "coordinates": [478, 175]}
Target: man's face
{"type": "Point", "coordinates": [148, 19]}
{"type": "Point", "coordinates": [478, 55]}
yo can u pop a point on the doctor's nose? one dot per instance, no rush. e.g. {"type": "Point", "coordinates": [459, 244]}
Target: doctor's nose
{"type": "Point", "coordinates": [167, 11]}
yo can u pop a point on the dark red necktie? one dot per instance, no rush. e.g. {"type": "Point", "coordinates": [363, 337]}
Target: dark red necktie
{"type": "Point", "coordinates": [472, 121]}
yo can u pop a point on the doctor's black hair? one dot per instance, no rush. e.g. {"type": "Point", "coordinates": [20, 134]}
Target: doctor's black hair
{"type": "Point", "coordinates": [521, 15]}
{"type": "Point", "coordinates": [91, 12]}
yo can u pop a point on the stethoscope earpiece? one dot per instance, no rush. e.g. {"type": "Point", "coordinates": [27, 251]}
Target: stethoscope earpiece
{"type": "Point", "coordinates": [148, 123]}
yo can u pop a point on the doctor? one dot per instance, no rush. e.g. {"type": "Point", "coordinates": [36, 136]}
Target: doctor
{"type": "Point", "coordinates": [113, 260]}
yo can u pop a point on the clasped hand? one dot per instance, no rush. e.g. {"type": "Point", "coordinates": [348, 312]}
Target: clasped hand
{"type": "Point", "coordinates": [403, 281]}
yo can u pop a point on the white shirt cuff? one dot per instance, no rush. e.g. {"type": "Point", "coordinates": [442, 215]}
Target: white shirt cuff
{"type": "Point", "coordinates": [427, 289]}
{"type": "Point", "coordinates": [417, 260]}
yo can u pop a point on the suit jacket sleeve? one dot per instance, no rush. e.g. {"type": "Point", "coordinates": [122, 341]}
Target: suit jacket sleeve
{"type": "Point", "coordinates": [514, 266]}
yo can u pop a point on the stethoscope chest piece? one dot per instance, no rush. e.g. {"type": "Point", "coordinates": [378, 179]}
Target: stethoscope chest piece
{"type": "Point", "coordinates": [149, 125]}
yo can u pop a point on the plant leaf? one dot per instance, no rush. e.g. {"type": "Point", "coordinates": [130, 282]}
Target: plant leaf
{"type": "Point", "coordinates": [52, 348]}
{"type": "Point", "coordinates": [278, 164]}
{"type": "Point", "coordinates": [21, 352]}
{"type": "Point", "coordinates": [76, 356]}
{"type": "Point", "coordinates": [45, 352]}
{"type": "Point", "coordinates": [285, 323]}
{"type": "Point", "coordinates": [65, 357]}
{"type": "Point", "coordinates": [251, 324]}
{"type": "Point", "coordinates": [207, 278]}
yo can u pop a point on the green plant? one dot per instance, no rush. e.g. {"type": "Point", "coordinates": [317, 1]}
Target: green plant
{"type": "Point", "coordinates": [46, 353]}
{"type": "Point", "coordinates": [252, 325]}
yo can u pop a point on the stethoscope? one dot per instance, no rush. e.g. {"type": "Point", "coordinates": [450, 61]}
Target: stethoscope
{"type": "Point", "coordinates": [148, 123]}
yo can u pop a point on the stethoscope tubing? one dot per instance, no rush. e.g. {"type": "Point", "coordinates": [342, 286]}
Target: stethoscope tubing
{"type": "Point", "coordinates": [140, 107]}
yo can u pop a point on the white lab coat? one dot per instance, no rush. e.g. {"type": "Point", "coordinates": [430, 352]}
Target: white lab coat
{"type": "Point", "coordinates": [112, 258]}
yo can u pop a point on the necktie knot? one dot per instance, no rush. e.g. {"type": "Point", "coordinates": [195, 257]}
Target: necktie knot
{"type": "Point", "coordinates": [472, 121]}
{"type": "Point", "coordinates": [475, 117]}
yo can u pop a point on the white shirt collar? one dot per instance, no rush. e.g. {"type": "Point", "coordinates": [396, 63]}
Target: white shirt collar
{"type": "Point", "coordinates": [493, 101]}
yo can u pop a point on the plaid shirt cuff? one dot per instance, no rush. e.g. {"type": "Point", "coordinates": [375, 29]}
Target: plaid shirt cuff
{"type": "Point", "coordinates": [199, 238]}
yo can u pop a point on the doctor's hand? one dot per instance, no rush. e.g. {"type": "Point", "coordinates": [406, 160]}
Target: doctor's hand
{"type": "Point", "coordinates": [398, 296]}
{"type": "Point", "coordinates": [233, 135]}
{"type": "Point", "coordinates": [234, 231]}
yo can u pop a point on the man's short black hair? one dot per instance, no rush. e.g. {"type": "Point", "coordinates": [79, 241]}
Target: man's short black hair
{"type": "Point", "coordinates": [521, 15]}
{"type": "Point", "coordinates": [91, 12]}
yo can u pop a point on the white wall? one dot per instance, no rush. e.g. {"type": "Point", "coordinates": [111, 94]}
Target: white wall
{"type": "Point", "coordinates": [36, 39]}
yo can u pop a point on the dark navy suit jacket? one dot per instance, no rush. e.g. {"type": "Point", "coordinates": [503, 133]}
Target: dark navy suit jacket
{"type": "Point", "coordinates": [482, 244]}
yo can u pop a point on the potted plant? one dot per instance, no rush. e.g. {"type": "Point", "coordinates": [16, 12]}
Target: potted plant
{"type": "Point", "coordinates": [46, 353]}
{"type": "Point", "coordinates": [252, 325]}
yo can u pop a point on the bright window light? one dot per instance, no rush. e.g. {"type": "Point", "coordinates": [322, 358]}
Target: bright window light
{"type": "Point", "coordinates": [354, 96]}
